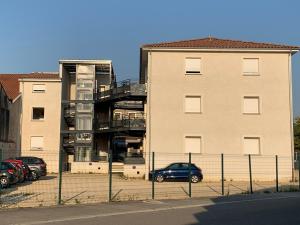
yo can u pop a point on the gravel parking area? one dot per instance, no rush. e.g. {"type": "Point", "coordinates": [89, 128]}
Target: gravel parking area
{"type": "Point", "coordinates": [94, 188]}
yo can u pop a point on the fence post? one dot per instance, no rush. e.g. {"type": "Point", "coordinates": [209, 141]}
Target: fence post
{"type": "Point", "coordinates": [298, 158]}
{"type": "Point", "coordinates": [190, 171]}
{"type": "Point", "coordinates": [250, 174]}
{"type": "Point", "coordinates": [276, 160]}
{"type": "Point", "coordinates": [222, 172]}
{"type": "Point", "coordinates": [60, 169]}
{"type": "Point", "coordinates": [0, 194]}
{"type": "Point", "coordinates": [110, 176]}
{"type": "Point", "coordinates": [153, 175]}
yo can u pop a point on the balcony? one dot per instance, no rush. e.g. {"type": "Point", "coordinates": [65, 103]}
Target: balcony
{"type": "Point", "coordinates": [132, 105]}
{"type": "Point", "coordinates": [69, 114]}
{"type": "Point", "coordinates": [125, 90]}
{"type": "Point", "coordinates": [70, 140]}
{"type": "Point", "coordinates": [130, 158]}
{"type": "Point", "coordinates": [132, 124]}
{"type": "Point", "coordinates": [69, 143]}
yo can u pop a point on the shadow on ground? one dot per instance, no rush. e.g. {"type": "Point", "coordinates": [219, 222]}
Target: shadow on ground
{"type": "Point", "coordinates": [277, 211]}
{"type": "Point", "coordinates": [13, 195]}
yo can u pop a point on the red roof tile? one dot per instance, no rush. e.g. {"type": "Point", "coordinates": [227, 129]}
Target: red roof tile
{"type": "Point", "coordinates": [10, 82]}
{"type": "Point", "coordinates": [216, 43]}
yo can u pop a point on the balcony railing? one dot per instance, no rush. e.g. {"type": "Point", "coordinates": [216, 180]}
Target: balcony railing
{"type": "Point", "coordinates": [69, 114]}
{"type": "Point", "coordinates": [123, 89]}
{"type": "Point", "coordinates": [129, 105]}
{"type": "Point", "coordinates": [69, 141]}
{"type": "Point", "coordinates": [69, 111]}
{"type": "Point", "coordinates": [130, 158]}
{"type": "Point", "coordinates": [122, 124]}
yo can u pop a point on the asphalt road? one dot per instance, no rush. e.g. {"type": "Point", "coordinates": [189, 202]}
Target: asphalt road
{"type": "Point", "coordinates": [264, 209]}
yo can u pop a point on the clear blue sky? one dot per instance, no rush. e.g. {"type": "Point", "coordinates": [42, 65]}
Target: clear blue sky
{"type": "Point", "coordinates": [35, 34]}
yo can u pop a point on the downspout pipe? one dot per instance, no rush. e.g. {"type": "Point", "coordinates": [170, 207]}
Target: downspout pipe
{"type": "Point", "coordinates": [291, 111]}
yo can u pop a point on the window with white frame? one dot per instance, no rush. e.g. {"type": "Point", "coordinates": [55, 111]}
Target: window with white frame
{"type": "Point", "coordinates": [83, 154]}
{"type": "Point", "coordinates": [193, 104]}
{"type": "Point", "coordinates": [250, 66]}
{"type": "Point", "coordinates": [84, 122]}
{"type": "Point", "coordinates": [252, 145]}
{"type": "Point", "coordinates": [192, 144]}
{"type": "Point", "coordinates": [251, 105]}
{"type": "Point", "coordinates": [193, 66]}
{"type": "Point", "coordinates": [84, 95]}
{"type": "Point", "coordinates": [36, 143]}
{"type": "Point", "coordinates": [38, 88]}
{"type": "Point", "coordinates": [83, 107]}
{"type": "Point", "coordinates": [83, 83]}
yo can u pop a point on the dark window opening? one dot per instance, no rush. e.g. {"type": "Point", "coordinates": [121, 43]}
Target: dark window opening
{"type": "Point", "coordinates": [38, 113]}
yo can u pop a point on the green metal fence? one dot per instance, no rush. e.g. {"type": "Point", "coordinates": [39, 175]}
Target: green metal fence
{"type": "Point", "coordinates": [223, 174]}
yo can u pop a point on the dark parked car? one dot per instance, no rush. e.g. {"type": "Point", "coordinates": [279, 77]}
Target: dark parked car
{"type": "Point", "coordinates": [37, 166]}
{"type": "Point", "coordinates": [177, 171]}
{"type": "Point", "coordinates": [8, 174]}
{"type": "Point", "coordinates": [22, 173]}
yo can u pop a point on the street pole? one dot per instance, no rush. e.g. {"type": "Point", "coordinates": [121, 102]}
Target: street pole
{"type": "Point", "coordinates": [153, 175]}
{"type": "Point", "coordinates": [190, 171]}
{"type": "Point", "coordinates": [222, 172]}
{"type": "Point", "coordinates": [250, 174]}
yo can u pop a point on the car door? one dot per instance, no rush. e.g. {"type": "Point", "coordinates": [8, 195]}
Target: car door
{"type": "Point", "coordinates": [172, 171]}
{"type": "Point", "coordinates": [184, 172]}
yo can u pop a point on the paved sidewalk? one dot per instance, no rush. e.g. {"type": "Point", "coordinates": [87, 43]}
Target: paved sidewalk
{"type": "Point", "coordinates": [112, 211]}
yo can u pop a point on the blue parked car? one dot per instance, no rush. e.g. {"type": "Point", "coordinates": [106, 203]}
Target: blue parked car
{"type": "Point", "coordinates": [177, 171]}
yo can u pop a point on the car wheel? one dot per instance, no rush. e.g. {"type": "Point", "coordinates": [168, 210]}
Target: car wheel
{"type": "Point", "coordinates": [4, 182]}
{"type": "Point", "coordinates": [34, 175]}
{"type": "Point", "coordinates": [194, 179]}
{"type": "Point", "coordinates": [159, 178]}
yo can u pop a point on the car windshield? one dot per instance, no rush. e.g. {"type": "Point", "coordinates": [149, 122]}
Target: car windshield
{"type": "Point", "coordinates": [32, 160]}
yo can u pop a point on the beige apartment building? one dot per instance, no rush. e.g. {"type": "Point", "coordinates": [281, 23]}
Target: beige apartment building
{"type": "Point", "coordinates": [34, 123]}
{"type": "Point", "coordinates": [211, 96]}
{"type": "Point", "coordinates": [204, 96]}
{"type": "Point", "coordinates": [40, 120]}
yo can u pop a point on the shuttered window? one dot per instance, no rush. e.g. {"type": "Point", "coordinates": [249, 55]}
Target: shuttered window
{"type": "Point", "coordinates": [193, 144]}
{"type": "Point", "coordinates": [193, 66]}
{"type": "Point", "coordinates": [250, 66]}
{"type": "Point", "coordinates": [251, 105]}
{"type": "Point", "coordinates": [37, 143]}
{"type": "Point", "coordinates": [39, 88]}
{"type": "Point", "coordinates": [252, 145]}
{"type": "Point", "coordinates": [193, 104]}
